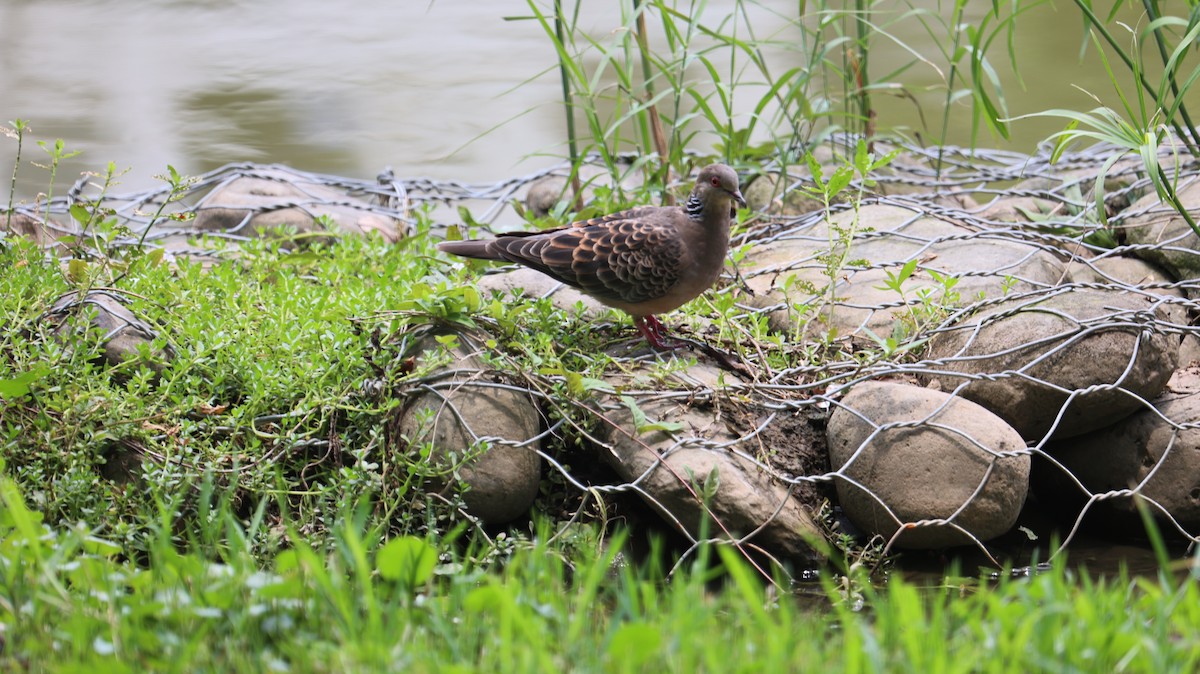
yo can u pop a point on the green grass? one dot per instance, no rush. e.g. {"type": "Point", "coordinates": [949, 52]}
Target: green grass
{"type": "Point", "coordinates": [69, 603]}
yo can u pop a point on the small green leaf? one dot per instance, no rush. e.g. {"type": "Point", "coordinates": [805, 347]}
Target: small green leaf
{"type": "Point", "coordinates": [408, 560]}
{"type": "Point", "coordinates": [489, 598]}
{"type": "Point", "coordinates": [16, 515]}
{"type": "Point", "coordinates": [19, 386]}
{"type": "Point", "coordinates": [574, 383]}
{"type": "Point", "coordinates": [642, 425]}
{"type": "Point", "coordinates": [77, 270]}
{"type": "Point", "coordinates": [287, 562]}
{"type": "Point", "coordinates": [99, 546]}
{"type": "Point", "coordinates": [862, 158]}
{"type": "Point", "coordinates": [80, 213]}
{"type": "Point", "coordinates": [634, 644]}
{"type": "Point", "coordinates": [838, 181]}
{"type": "Point", "coordinates": [580, 385]}
{"type": "Point", "coordinates": [469, 220]}
{"type": "Point", "coordinates": [884, 160]}
{"type": "Point", "coordinates": [471, 297]}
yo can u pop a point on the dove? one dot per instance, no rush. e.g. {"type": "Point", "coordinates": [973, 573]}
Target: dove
{"type": "Point", "coordinates": [644, 261]}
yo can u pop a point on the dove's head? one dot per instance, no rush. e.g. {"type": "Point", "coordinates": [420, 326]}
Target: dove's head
{"type": "Point", "coordinates": [718, 182]}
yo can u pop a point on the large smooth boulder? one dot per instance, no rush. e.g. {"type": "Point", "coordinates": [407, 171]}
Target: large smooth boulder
{"type": "Point", "coordinates": [126, 338]}
{"type": "Point", "coordinates": [1155, 453]}
{"type": "Point", "coordinates": [789, 274]}
{"type": "Point", "coordinates": [1161, 235]}
{"type": "Point", "coordinates": [482, 433]}
{"type": "Point", "coordinates": [930, 469]}
{"type": "Point", "coordinates": [777, 193]}
{"type": "Point", "coordinates": [696, 468]}
{"type": "Point", "coordinates": [1095, 352]}
{"type": "Point", "coordinates": [43, 231]}
{"type": "Point", "coordinates": [1137, 275]}
{"type": "Point", "coordinates": [533, 284]}
{"type": "Point", "coordinates": [273, 201]}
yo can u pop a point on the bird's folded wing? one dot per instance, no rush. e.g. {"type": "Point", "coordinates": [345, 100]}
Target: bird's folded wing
{"type": "Point", "coordinates": [635, 213]}
{"type": "Point", "coordinates": [626, 260]}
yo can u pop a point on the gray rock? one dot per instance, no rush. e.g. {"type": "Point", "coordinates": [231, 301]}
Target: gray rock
{"type": "Point", "coordinates": [126, 337]}
{"type": "Point", "coordinates": [482, 432]}
{"type": "Point", "coordinates": [1189, 350]}
{"type": "Point", "coordinates": [1146, 452]}
{"type": "Point", "coordinates": [775, 193]}
{"type": "Point", "coordinates": [1150, 279]}
{"type": "Point", "coordinates": [274, 200]}
{"type": "Point", "coordinates": [672, 467]}
{"type": "Point", "coordinates": [1118, 269]}
{"type": "Point", "coordinates": [546, 193]}
{"type": "Point", "coordinates": [43, 232]}
{"type": "Point", "coordinates": [1082, 181]}
{"type": "Point", "coordinates": [1165, 236]}
{"type": "Point", "coordinates": [789, 276]}
{"type": "Point", "coordinates": [1025, 210]}
{"type": "Point", "coordinates": [1098, 346]}
{"type": "Point", "coordinates": [906, 454]}
{"type": "Point", "coordinates": [534, 284]}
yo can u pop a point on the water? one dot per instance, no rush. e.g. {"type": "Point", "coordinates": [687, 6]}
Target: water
{"type": "Point", "coordinates": [444, 89]}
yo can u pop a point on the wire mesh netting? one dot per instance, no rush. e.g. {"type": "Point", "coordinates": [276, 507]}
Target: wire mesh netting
{"type": "Point", "coordinates": [962, 344]}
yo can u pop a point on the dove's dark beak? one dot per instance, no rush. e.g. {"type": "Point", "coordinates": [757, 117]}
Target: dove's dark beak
{"type": "Point", "coordinates": [737, 196]}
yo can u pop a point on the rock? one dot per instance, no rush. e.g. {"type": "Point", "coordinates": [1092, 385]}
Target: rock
{"type": "Point", "coordinates": [546, 193]}
{"type": "Point", "coordinates": [466, 419]}
{"type": "Point", "coordinates": [906, 454]}
{"type": "Point", "coordinates": [789, 275]}
{"type": "Point", "coordinates": [774, 193]}
{"type": "Point", "coordinates": [1189, 350]}
{"type": "Point", "coordinates": [672, 467]}
{"type": "Point", "coordinates": [1131, 272]}
{"type": "Point", "coordinates": [1097, 347]}
{"type": "Point", "coordinates": [534, 284]}
{"type": "Point", "coordinates": [782, 193]}
{"type": "Point", "coordinates": [41, 231]}
{"type": "Point", "coordinates": [1161, 234]}
{"type": "Point", "coordinates": [275, 200]}
{"type": "Point", "coordinates": [127, 338]}
{"type": "Point", "coordinates": [1118, 269]}
{"type": "Point", "coordinates": [1024, 210]}
{"type": "Point", "coordinates": [1146, 452]}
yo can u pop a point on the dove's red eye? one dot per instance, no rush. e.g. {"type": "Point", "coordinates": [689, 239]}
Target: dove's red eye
{"type": "Point", "coordinates": [716, 182]}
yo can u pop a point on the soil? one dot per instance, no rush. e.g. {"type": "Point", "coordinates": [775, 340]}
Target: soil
{"type": "Point", "coordinates": [793, 444]}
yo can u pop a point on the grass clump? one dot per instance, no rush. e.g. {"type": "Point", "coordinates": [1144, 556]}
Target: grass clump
{"type": "Point", "coordinates": [267, 390]}
{"type": "Point", "coordinates": [369, 604]}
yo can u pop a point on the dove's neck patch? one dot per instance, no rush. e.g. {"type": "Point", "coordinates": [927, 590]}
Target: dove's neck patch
{"type": "Point", "coordinates": [694, 207]}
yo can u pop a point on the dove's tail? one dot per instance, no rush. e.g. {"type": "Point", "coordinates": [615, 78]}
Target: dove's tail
{"type": "Point", "coordinates": [477, 249]}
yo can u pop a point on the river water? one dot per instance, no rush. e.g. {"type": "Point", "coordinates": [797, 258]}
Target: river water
{"type": "Point", "coordinates": [445, 88]}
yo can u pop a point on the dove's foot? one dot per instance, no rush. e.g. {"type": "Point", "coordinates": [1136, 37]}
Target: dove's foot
{"type": "Point", "coordinates": [655, 333]}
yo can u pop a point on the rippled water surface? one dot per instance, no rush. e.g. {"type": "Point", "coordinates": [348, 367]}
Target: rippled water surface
{"type": "Point", "coordinates": [445, 89]}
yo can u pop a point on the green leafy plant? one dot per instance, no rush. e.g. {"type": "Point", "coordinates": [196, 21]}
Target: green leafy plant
{"type": "Point", "coordinates": [20, 128]}
{"type": "Point", "coordinates": [1156, 117]}
{"type": "Point", "coordinates": [855, 174]}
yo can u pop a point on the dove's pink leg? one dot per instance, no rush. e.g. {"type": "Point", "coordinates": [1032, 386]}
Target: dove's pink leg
{"type": "Point", "coordinates": [654, 331]}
